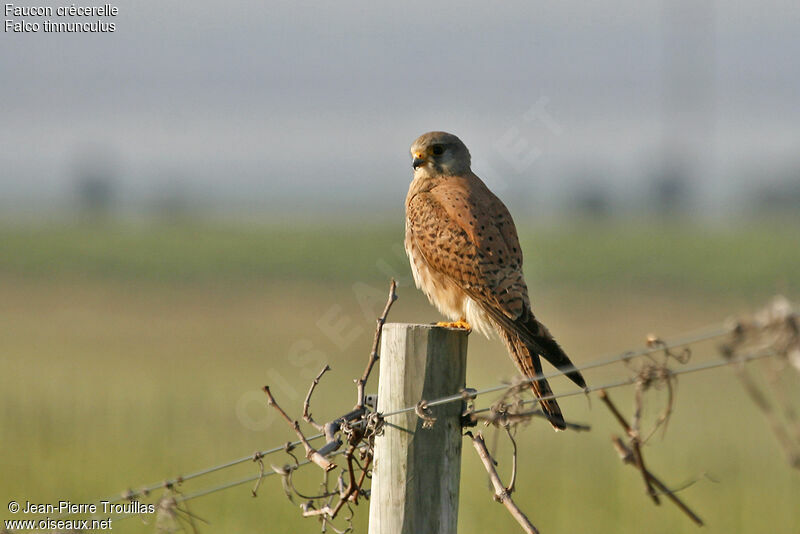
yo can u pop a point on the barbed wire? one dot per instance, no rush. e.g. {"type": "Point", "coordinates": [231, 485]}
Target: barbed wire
{"type": "Point", "coordinates": [684, 340]}
{"type": "Point", "coordinates": [697, 336]}
{"type": "Point", "coordinates": [220, 487]}
{"type": "Point", "coordinates": [632, 380]}
{"type": "Point", "coordinates": [146, 490]}
{"type": "Point", "coordinates": [609, 385]}
{"type": "Point", "coordinates": [228, 485]}
{"type": "Point", "coordinates": [773, 331]}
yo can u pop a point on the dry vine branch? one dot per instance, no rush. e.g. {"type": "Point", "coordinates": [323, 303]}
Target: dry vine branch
{"type": "Point", "coordinates": [506, 413]}
{"type": "Point", "coordinates": [373, 356]}
{"type": "Point", "coordinates": [635, 439]}
{"type": "Point", "coordinates": [776, 328]}
{"type": "Point", "coordinates": [344, 496]}
{"type": "Point", "coordinates": [307, 403]}
{"type": "Point", "coordinates": [501, 419]}
{"type": "Point", "coordinates": [633, 455]}
{"type": "Point", "coordinates": [285, 473]}
{"type": "Point", "coordinates": [656, 373]}
{"type": "Point", "coordinates": [311, 453]}
{"type": "Point", "coordinates": [508, 409]}
{"type": "Point", "coordinates": [259, 458]}
{"type": "Point", "coordinates": [513, 481]}
{"type": "Point", "coordinates": [357, 428]}
{"type": "Point", "coordinates": [626, 455]}
{"type": "Point", "coordinates": [170, 517]}
{"type": "Point", "coordinates": [501, 493]}
{"type": "Point", "coordinates": [776, 334]}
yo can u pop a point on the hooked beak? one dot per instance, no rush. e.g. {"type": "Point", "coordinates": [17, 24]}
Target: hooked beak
{"type": "Point", "coordinates": [418, 161]}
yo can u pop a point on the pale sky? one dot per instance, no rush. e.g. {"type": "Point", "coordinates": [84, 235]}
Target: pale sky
{"type": "Point", "coordinates": [262, 101]}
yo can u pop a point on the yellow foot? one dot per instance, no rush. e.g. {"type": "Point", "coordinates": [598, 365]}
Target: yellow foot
{"type": "Point", "coordinates": [461, 324]}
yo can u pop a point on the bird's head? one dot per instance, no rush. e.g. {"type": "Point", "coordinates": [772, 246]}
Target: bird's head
{"type": "Point", "coordinates": [439, 154]}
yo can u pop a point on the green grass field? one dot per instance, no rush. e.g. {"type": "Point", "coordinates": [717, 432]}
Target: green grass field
{"type": "Point", "coordinates": [130, 353]}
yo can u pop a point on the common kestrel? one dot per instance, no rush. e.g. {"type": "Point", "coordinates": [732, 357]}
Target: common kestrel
{"type": "Point", "coordinates": [465, 256]}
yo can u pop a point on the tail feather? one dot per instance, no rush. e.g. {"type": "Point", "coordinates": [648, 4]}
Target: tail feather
{"type": "Point", "coordinates": [550, 407]}
{"type": "Point", "coordinates": [551, 351]}
{"type": "Point", "coordinates": [530, 364]}
{"type": "Point", "coordinates": [527, 339]}
{"type": "Point", "coordinates": [537, 338]}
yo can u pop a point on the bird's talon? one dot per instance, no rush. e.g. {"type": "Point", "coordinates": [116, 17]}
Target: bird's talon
{"type": "Point", "coordinates": [461, 324]}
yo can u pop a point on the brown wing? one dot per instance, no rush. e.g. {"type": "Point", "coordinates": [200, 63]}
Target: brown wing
{"type": "Point", "coordinates": [466, 233]}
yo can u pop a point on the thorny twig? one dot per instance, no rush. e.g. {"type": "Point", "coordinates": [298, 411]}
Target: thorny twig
{"type": "Point", "coordinates": [512, 482]}
{"type": "Point", "coordinates": [501, 493]}
{"type": "Point", "coordinates": [345, 496]}
{"type": "Point", "coordinates": [505, 413]}
{"type": "Point", "coordinates": [508, 409]}
{"type": "Point", "coordinates": [311, 452]}
{"type": "Point", "coordinates": [357, 428]}
{"type": "Point", "coordinates": [373, 355]}
{"type": "Point", "coordinates": [635, 439]}
{"type": "Point", "coordinates": [626, 455]}
{"type": "Point", "coordinates": [633, 455]}
{"type": "Point", "coordinates": [364, 474]}
{"type": "Point", "coordinates": [307, 403]}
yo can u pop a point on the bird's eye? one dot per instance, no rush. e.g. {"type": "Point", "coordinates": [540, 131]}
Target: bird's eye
{"type": "Point", "coordinates": [437, 150]}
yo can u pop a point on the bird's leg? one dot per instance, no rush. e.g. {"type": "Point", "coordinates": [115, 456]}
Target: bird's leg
{"type": "Point", "coordinates": [461, 324]}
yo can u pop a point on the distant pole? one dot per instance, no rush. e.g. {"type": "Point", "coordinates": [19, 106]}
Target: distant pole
{"type": "Point", "coordinates": [417, 470]}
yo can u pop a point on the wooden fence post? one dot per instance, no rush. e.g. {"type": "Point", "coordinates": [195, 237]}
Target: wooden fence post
{"type": "Point", "coordinates": [417, 470]}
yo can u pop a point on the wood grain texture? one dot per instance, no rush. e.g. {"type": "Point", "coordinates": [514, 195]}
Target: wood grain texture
{"type": "Point", "coordinates": [417, 471]}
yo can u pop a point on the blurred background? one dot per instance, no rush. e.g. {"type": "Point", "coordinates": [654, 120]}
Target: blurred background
{"type": "Point", "coordinates": [211, 198]}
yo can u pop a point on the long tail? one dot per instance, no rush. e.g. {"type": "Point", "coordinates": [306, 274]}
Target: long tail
{"type": "Point", "coordinates": [538, 338]}
{"type": "Point", "coordinates": [526, 340]}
